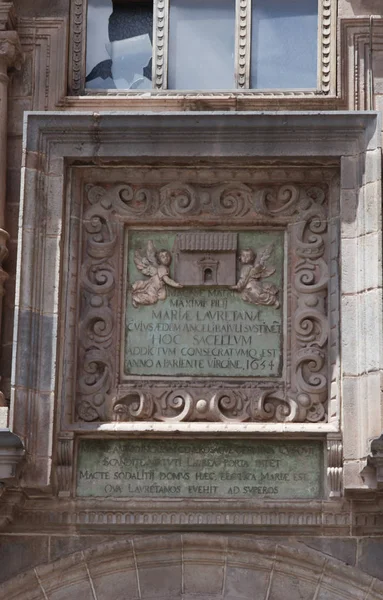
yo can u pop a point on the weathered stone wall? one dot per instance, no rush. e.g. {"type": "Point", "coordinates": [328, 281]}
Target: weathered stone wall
{"type": "Point", "coordinates": [354, 536]}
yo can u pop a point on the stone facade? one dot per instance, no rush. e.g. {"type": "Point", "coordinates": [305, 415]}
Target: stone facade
{"type": "Point", "coordinates": [83, 176]}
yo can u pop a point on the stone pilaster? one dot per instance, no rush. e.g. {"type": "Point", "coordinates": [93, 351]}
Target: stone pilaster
{"type": "Point", "coordinates": [10, 57]}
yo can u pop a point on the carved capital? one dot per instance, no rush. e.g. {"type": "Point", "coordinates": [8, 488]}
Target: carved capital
{"type": "Point", "coordinates": [10, 49]}
{"type": "Point", "coordinates": [334, 465]}
{"type": "Point", "coordinates": [64, 465]}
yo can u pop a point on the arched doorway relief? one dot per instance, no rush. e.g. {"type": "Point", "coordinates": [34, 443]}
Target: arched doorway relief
{"type": "Point", "coordinates": [195, 566]}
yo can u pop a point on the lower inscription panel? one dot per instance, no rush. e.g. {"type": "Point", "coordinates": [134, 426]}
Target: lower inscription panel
{"type": "Point", "coordinates": [200, 469]}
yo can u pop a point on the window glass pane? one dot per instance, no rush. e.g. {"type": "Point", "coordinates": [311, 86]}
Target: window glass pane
{"type": "Point", "coordinates": [284, 44]}
{"type": "Point", "coordinates": [119, 44]}
{"type": "Point", "coordinates": [201, 44]}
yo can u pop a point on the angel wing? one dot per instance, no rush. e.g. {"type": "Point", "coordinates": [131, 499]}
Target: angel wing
{"type": "Point", "coordinates": [265, 253]}
{"type": "Point", "coordinates": [262, 256]}
{"type": "Point", "coordinates": [147, 264]}
{"type": "Point", "coordinates": [267, 271]}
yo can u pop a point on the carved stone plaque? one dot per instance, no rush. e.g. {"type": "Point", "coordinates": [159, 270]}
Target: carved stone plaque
{"type": "Point", "coordinates": [245, 469]}
{"type": "Point", "coordinates": [205, 295]}
{"type": "Point", "coordinates": [216, 312]}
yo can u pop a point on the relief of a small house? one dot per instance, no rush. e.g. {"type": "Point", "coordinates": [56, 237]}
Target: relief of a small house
{"type": "Point", "coordinates": [206, 258]}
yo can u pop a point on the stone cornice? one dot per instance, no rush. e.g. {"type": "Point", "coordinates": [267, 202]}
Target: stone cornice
{"type": "Point", "coordinates": [21, 514]}
{"type": "Point", "coordinates": [10, 49]}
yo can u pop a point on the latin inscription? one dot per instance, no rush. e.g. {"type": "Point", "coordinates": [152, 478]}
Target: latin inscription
{"type": "Point", "coordinates": [200, 469]}
{"type": "Point", "coordinates": [208, 330]}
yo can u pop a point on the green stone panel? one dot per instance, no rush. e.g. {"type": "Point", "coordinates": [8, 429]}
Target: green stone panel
{"type": "Point", "coordinates": [202, 331]}
{"type": "Point", "coordinates": [200, 469]}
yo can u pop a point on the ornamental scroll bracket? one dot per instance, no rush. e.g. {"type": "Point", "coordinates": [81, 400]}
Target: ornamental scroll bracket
{"type": "Point", "coordinates": [299, 396]}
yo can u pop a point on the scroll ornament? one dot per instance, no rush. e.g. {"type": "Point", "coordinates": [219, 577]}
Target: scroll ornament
{"type": "Point", "coordinates": [302, 397]}
{"type": "Point", "coordinates": [156, 266]}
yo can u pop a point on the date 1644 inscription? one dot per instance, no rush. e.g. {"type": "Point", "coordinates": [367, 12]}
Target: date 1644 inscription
{"type": "Point", "coordinates": [200, 469]}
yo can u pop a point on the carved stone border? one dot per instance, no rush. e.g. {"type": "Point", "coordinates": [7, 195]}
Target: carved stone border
{"type": "Point", "coordinates": [45, 39]}
{"type": "Point", "coordinates": [352, 140]}
{"type": "Point", "coordinates": [326, 51]}
{"type": "Point", "coordinates": [361, 41]}
{"type": "Point", "coordinates": [301, 209]}
{"type": "Point", "coordinates": [361, 516]}
{"type": "Point", "coordinates": [242, 44]}
{"type": "Point", "coordinates": [160, 44]}
{"type": "Point", "coordinates": [77, 47]}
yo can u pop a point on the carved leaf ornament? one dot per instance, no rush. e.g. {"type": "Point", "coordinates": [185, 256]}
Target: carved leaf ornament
{"type": "Point", "coordinates": [299, 396]}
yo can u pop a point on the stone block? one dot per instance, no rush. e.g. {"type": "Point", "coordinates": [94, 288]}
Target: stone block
{"type": "Point", "coordinates": [168, 579]}
{"type": "Point", "coordinates": [349, 322]}
{"type": "Point", "coordinates": [372, 206]}
{"type": "Point", "coordinates": [207, 554]}
{"type": "Point", "coordinates": [348, 213]}
{"type": "Point", "coordinates": [361, 263]}
{"type": "Point", "coordinates": [78, 589]}
{"type": "Point", "coordinates": [29, 215]}
{"type": "Point", "coordinates": [343, 549]}
{"type": "Point", "coordinates": [350, 417]}
{"type": "Point", "coordinates": [54, 8]}
{"type": "Point", "coordinates": [72, 581]}
{"type": "Point", "coordinates": [22, 587]}
{"type": "Point", "coordinates": [245, 583]}
{"type": "Point", "coordinates": [54, 209]}
{"type": "Point", "coordinates": [51, 275]}
{"type": "Point", "coordinates": [371, 309]}
{"type": "Point", "coordinates": [27, 552]}
{"type": "Point", "coordinates": [370, 556]}
{"type": "Point", "coordinates": [116, 578]}
{"type": "Point", "coordinates": [159, 565]}
{"type": "Point", "coordinates": [210, 579]}
{"type": "Point", "coordinates": [283, 587]}
{"type": "Point", "coordinates": [60, 545]}
{"type": "Point", "coordinates": [352, 478]}
{"type": "Point", "coordinates": [13, 185]}
{"type": "Point", "coordinates": [11, 261]}
{"type": "Point", "coordinates": [38, 332]}
{"type": "Point", "coordinates": [16, 109]}
{"type": "Point", "coordinates": [4, 417]}
{"type": "Point", "coordinates": [373, 410]}
{"type": "Point", "coordinates": [350, 172]}
{"type": "Point", "coordinates": [12, 220]}
{"type": "Point", "coordinates": [14, 151]}
{"type": "Point", "coordinates": [344, 578]}
{"type": "Point", "coordinates": [370, 275]}
{"type": "Point", "coordinates": [24, 293]}
{"type": "Point", "coordinates": [372, 168]}
{"type": "Point", "coordinates": [348, 267]}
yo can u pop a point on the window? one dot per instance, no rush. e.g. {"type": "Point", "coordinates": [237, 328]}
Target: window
{"type": "Point", "coordinates": [209, 45]}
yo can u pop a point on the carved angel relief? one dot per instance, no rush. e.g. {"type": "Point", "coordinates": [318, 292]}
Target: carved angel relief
{"type": "Point", "coordinates": [254, 269]}
{"type": "Point", "coordinates": [156, 266]}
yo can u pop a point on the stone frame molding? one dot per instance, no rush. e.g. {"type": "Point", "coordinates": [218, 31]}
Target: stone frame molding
{"type": "Point", "coordinates": [307, 212]}
{"type": "Point", "coordinates": [361, 49]}
{"type": "Point", "coordinates": [55, 141]}
{"type": "Point", "coordinates": [326, 77]}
